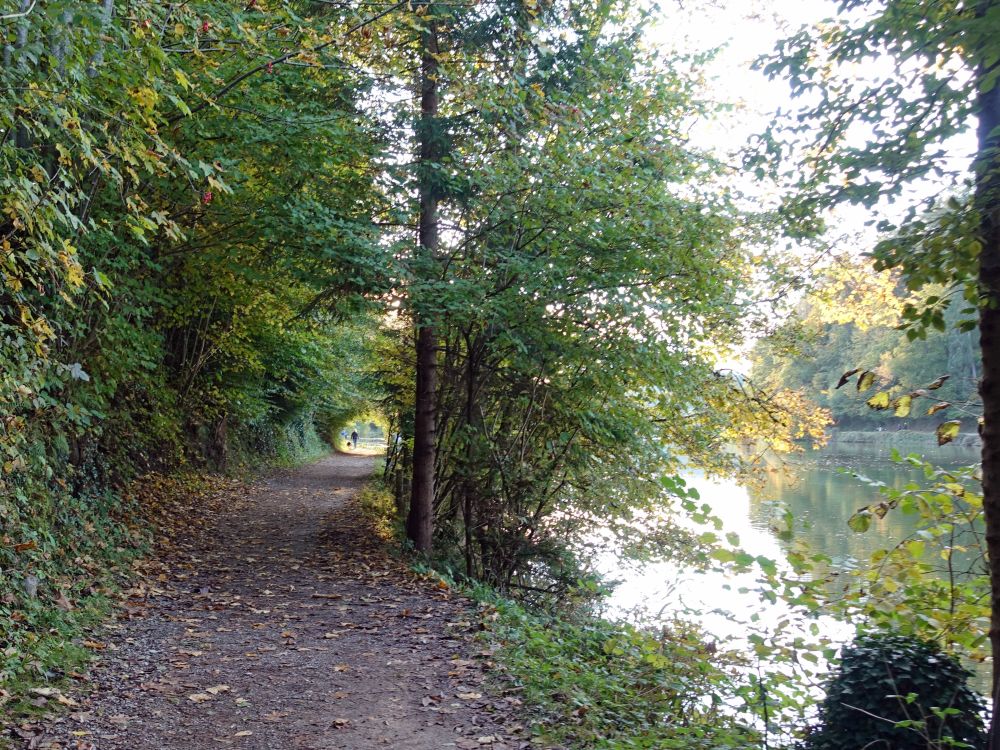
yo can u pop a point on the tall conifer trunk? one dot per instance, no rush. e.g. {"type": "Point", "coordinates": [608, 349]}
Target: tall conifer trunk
{"type": "Point", "coordinates": [988, 206]}
{"type": "Point", "coordinates": [420, 521]}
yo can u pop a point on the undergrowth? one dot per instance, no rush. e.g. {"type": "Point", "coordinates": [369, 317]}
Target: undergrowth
{"type": "Point", "coordinates": [378, 506]}
{"type": "Point", "coordinates": [66, 576]}
{"type": "Point", "coordinates": [592, 683]}
{"type": "Point", "coordinates": [586, 682]}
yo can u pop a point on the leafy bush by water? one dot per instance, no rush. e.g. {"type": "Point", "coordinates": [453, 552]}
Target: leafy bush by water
{"type": "Point", "coordinates": [895, 692]}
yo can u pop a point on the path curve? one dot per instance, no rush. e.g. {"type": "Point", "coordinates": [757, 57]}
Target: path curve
{"type": "Point", "coordinates": [279, 621]}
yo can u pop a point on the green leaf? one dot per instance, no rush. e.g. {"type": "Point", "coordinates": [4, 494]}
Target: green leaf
{"type": "Point", "coordinates": [722, 555]}
{"type": "Point", "coordinates": [860, 521]}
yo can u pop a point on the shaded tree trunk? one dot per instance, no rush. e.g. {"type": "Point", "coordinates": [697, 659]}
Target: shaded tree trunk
{"type": "Point", "coordinates": [420, 521]}
{"type": "Point", "coordinates": [988, 205]}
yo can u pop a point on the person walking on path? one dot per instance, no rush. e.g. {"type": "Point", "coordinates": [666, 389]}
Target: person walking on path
{"type": "Point", "coordinates": [354, 438]}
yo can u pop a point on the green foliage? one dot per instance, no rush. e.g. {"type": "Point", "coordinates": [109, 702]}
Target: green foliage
{"type": "Point", "coordinates": [378, 505]}
{"type": "Point", "coordinates": [177, 280]}
{"type": "Point", "coordinates": [595, 684]}
{"type": "Point", "coordinates": [898, 692]}
{"type": "Point", "coordinates": [580, 317]}
{"type": "Point", "coordinates": [933, 583]}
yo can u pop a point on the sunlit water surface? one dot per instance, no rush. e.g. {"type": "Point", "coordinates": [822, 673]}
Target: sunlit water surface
{"type": "Point", "coordinates": [817, 490]}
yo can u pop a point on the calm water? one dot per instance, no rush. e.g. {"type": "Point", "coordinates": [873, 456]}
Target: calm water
{"type": "Point", "coordinates": [815, 491]}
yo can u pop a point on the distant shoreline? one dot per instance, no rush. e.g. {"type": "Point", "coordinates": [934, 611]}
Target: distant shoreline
{"type": "Point", "coordinates": [905, 441]}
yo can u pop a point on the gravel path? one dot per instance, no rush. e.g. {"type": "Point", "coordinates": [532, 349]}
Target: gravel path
{"type": "Point", "coordinates": [278, 620]}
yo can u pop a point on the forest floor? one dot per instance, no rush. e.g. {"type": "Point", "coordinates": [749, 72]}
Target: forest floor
{"type": "Point", "coordinates": [272, 617]}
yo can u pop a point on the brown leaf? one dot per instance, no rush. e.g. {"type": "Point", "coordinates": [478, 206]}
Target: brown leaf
{"type": "Point", "coordinates": [938, 383]}
{"type": "Point", "coordinates": [45, 692]}
{"type": "Point", "coordinates": [25, 546]}
{"type": "Point", "coordinates": [847, 376]}
{"type": "Point", "coordinates": [63, 603]}
{"type": "Point", "coordinates": [938, 407]}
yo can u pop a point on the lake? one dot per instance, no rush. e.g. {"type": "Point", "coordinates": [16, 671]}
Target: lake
{"type": "Point", "coordinates": [816, 490]}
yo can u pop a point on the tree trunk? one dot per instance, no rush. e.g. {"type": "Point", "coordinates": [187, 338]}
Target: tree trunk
{"type": "Point", "coordinates": [468, 485]}
{"type": "Point", "coordinates": [420, 522]}
{"type": "Point", "coordinates": [988, 205]}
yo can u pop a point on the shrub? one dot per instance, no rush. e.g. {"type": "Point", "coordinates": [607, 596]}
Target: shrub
{"type": "Point", "coordinates": [900, 693]}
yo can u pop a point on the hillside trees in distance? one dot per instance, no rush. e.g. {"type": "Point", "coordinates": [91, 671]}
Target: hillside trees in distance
{"type": "Point", "coordinates": [853, 316]}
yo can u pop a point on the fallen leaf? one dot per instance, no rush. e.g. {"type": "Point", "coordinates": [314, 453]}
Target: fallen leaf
{"type": "Point", "coordinates": [63, 603]}
{"type": "Point", "coordinates": [469, 696]}
{"type": "Point", "coordinates": [216, 689]}
{"type": "Point", "coordinates": [45, 692]}
{"type": "Point", "coordinates": [244, 733]}
{"type": "Point", "coordinates": [199, 697]}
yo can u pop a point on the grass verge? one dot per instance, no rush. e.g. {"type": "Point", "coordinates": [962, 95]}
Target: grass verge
{"type": "Point", "coordinates": [587, 682]}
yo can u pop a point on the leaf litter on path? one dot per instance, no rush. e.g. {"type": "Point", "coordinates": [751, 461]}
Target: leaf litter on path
{"type": "Point", "coordinates": [272, 616]}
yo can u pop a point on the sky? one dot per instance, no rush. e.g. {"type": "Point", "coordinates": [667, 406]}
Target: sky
{"type": "Point", "coordinates": [742, 30]}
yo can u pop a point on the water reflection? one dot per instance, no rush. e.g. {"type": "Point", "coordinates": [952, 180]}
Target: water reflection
{"type": "Point", "coordinates": [815, 490]}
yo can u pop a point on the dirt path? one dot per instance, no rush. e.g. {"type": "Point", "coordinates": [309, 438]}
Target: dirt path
{"type": "Point", "coordinates": [279, 621]}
